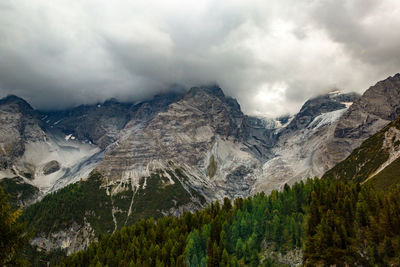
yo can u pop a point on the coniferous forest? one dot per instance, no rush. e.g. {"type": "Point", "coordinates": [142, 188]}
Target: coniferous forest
{"type": "Point", "coordinates": [317, 222]}
{"type": "Point", "coordinates": [224, 234]}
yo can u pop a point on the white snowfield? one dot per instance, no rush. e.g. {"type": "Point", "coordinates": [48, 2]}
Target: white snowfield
{"type": "Point", "coordinates": [76, 160]}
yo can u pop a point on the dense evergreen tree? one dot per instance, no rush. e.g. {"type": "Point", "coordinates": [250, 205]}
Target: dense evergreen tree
{"type": "Point", "coordinates": [353, 225]}
{"type": "Point", "coordinates": [13, 234]}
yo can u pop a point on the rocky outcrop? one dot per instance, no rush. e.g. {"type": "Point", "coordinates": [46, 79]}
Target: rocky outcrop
{"type": "Point", "coordinates": [297, 151]}
{"type": "Point", "coordinates": [222, 151]}
{"type": "Point", "coordinates": [379, 105]}
{"type": "Point", "coordinates": [51, 167]}
{"type": "Point", "coordinates": [18, 124]}
{"type": "Point", "coordinates": [191, 147]}
{"type": "Point", "coordinates": [101, 123]}
{"type": "Point", "coordinates": [75, 238]}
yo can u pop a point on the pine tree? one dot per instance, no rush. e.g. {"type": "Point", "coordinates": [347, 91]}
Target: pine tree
{"type": "Point", "coordinates": [13, 235]}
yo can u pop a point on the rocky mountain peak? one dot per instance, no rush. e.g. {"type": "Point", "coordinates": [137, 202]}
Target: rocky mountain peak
{"type": "Point", "coordinates": [319, 105]}
{"type": "Point", "coordinates": [377, 106]}
{"type": "Point", "coordinates": [386, 95]}
{"type": "Point", "coordinates": [17, 104]}
{"type": "Point", "coordinates": [12, 99]}
{"type": "Point", "coordinates": [214, 90]}
{"type": "Point", "coordinates": [111, 101]}
{"type": "Point", "coordinates": [212, 100]}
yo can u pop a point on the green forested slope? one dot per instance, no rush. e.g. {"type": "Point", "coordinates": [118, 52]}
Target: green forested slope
{"type": "Point", "coordinates": [388, 177]}
{"type": "Point", "coordinates": [73, 203]}
{"type": "Point", "coordinates": [352, 225]}
{"type": "Point", "coordinates": [220, 235]}
{"type": "Point", "coordinates": [334, 222]}
{"type": "Point", "coordinates": [88, 200]}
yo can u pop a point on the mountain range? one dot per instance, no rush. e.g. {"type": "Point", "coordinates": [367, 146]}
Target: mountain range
{"type": "Point", "coordinates": [173, 153]}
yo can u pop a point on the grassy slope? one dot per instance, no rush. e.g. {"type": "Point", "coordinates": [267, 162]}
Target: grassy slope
{"type": "Point", "coordinates": [364, 160]}
{"type": "Point", "coordinates": [388, 177]}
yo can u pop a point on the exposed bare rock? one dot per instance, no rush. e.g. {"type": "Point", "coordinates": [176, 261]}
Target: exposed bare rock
{"type": "Point", "coordinates": [101, 123]}
{"type": "Point", "coordinates": [75, 238]}
{"type": "Point", "coordinates": [317, 106]}
{"type": "Point", "coordinates": [51, 167]}
{"type": "Point", "coordinates": [203, 128]}
{"type": "Point", "coordinates": [379, 105]}
{"type": "Point", "coordinates": [18, 124]}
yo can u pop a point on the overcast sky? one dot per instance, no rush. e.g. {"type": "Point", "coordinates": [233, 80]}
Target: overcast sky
{"type": "Point", "coordinates": [270, 55]}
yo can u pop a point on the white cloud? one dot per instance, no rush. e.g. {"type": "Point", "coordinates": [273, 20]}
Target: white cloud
{"type": "Point", "coordinates": [271, 55]}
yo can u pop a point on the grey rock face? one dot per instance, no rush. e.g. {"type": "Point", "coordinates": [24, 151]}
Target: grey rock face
{"type": "Point", "coordinates": [202, 134]}
{"type": "Point", "coordinates": [75, 238]}
{"type": "Point", "coordinates": [188, 130]}
{"type": "Point", "coordinates": [51, 167]}
{"type": "Point", "coordinates": [200, 125]}
{"type": "Point", "coordinates": [102, 123]}
{"type": "Point", "coordinates": [324, 133]}
{"type": "Point", "coordinates": [379, 105]}
{"type": "Point", "coordinates": [18, 123]}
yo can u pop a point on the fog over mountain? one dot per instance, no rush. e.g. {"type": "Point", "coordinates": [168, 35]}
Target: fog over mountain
{"type": "Point", "coordinates": [270, 55]}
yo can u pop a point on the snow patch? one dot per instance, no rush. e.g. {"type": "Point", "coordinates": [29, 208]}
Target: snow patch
{"type": "Point", "coordinates": [334, 93]}
{"type": "Point", "coordinates": [347, 104]}
{"type": "Point", "coordinates": [326, 118]}
{"type": "Point", "coordinates": [77, 160]}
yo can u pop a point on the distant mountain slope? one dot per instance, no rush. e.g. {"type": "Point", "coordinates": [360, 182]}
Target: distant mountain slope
{"type": "Point", "coordinates": [325, 132]}
{"type": "Point", "coordinates": [376, 160]}
{"type": "Point", "coordinates": [378, 106]}
{"type": "Point", "coordinates": [205, 134]}
{"type": "Point", "coordinates": [388, 177]}
{"type": "Point", "coordinates": [297, 153]}
{"type": "Point", "coordinates": [48, 150]}
{"type": "Point", "coordinates": [101, 123]}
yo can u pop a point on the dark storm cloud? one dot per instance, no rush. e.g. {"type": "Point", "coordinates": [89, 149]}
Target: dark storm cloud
{"type": "Point", "coordinates": [270, 55]}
